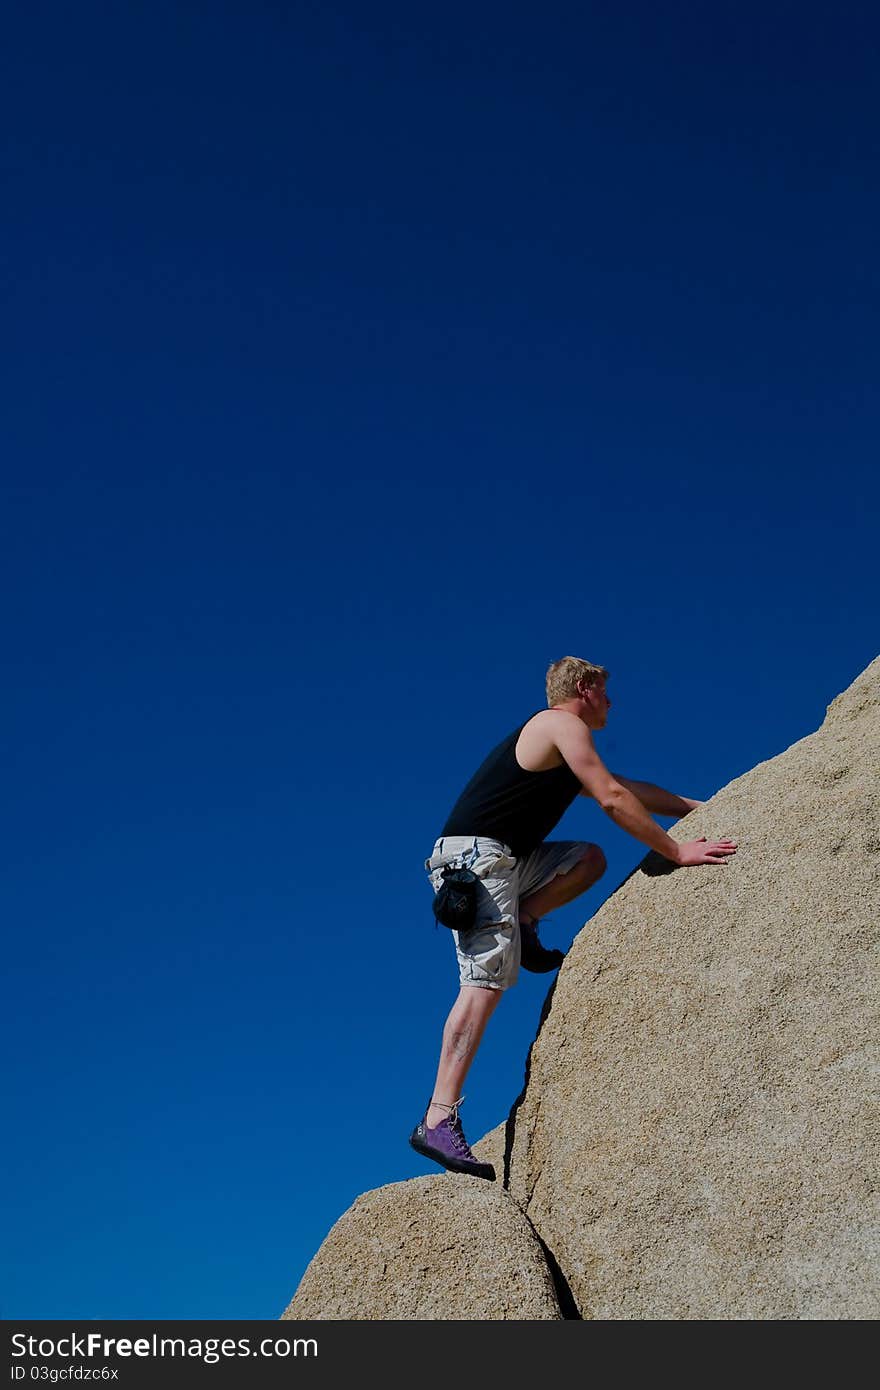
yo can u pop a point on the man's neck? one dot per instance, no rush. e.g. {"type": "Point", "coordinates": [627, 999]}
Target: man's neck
{"type": "Point", "coordinates": [575, 707]}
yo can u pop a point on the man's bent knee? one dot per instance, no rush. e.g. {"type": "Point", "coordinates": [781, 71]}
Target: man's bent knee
{"type": "Point", "coordinates": [594, 860]}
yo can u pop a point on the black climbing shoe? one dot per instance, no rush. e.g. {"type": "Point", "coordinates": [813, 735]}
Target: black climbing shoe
{"type": "Point", "coordinates": [534, 956]}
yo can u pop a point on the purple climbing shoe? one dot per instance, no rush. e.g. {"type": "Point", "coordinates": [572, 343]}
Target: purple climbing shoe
{"type": "Point", "coordinates": [534, 956]}
{"type": "Point", "coordinates": [447, 1145]}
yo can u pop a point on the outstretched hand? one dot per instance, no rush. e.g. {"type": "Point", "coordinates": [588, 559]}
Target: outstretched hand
{"type": "Point", "coordinates": [705, 851]}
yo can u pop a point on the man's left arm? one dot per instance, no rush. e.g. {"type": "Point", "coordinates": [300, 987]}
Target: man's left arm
{"type": "Point", "coordinates": [656, 800]}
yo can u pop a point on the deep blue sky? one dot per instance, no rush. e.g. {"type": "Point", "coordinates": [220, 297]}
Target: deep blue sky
{"type": "Point", "coordinates": [358, 362]}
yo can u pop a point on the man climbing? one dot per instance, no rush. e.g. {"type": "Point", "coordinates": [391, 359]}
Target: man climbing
{"type": "Point", "coordinates": [497, 828]}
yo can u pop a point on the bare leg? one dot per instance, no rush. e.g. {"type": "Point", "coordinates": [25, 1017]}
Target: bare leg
{"type": "Point", "coordinates": [565, 887]}
{"type": "Point", "coordinates": [461, 1037]}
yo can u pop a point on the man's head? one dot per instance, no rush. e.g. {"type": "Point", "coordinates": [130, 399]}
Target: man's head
{"type": "Point", "coordinates": [578, 685]}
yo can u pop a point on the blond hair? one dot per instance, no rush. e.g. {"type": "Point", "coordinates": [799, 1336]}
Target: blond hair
{"type": "Point", "coordinates": [564, 677]}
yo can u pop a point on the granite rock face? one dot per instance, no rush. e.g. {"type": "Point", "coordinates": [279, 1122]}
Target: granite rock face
{"type": "Point", "coordinates": [699, 1130]}
{"type": "Point", "coordinates": [449, 1247]}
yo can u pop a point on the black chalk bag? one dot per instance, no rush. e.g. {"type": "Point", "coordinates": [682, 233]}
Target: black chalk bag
{"type": "Point", "coordinates": [455, 902]}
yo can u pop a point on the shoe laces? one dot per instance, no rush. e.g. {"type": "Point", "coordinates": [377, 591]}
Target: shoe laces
{"type": "Point", "coordinates": [454, 1123]}
{"type": "Point", "coordinates": [457, 1132]}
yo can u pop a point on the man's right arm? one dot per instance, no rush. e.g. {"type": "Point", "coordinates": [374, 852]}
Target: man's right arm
{"type": "Point", "coordinates": [575, 743]}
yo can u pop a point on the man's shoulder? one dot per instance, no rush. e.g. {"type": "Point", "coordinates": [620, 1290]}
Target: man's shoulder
{"type": "Point", "coordinates": [560, 729]}
{"type": "Point", "coordinates": [546, 737]}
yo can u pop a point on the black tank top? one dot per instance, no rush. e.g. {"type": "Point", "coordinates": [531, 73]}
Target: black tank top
{"type": "Point", "coordinates": [506, 803]}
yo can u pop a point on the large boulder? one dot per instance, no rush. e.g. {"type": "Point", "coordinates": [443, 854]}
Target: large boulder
{"type": "Point", "coordinates": [698, 1133]}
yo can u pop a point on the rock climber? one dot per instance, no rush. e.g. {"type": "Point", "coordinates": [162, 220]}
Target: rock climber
{"type": "Point", "coordinates": [498, 829]}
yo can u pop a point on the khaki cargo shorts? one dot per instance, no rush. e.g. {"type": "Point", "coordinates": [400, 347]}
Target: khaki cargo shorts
{"type": "Point", "coordinates": [488, 954]}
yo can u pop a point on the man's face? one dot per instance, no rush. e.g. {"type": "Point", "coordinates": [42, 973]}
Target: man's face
{"type": "Point", "coordinates": [595, 697]}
